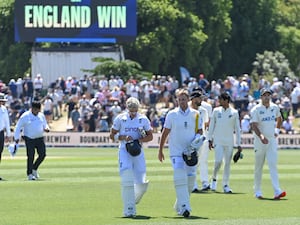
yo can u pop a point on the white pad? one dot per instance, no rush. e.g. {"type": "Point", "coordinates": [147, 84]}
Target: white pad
{"type": "Point", "coordinates": [140, 190]}
{"type": "Point", "coordinates": [116, 137]}
{"type": "Point", "coordinates": [191, 182]}
{"type": "Point", "coordinates": [182, 193]}
{"type": "Point", "coordinates": [128, 197]}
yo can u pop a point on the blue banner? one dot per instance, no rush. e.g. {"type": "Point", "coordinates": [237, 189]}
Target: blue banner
{"type": "Point", "coordinates": [184, 74]}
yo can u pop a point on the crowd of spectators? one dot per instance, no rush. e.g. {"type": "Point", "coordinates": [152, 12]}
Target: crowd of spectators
{"type": "Point", "coordinates": [91, 103]}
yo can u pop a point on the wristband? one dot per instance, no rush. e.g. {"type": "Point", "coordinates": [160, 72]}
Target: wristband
{"type": "Point", "coordinates": [277, 131]}
{"type": "Point", "coordinates": [116, 137]}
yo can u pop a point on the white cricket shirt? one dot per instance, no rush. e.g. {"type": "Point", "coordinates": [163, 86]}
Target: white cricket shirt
{"type": "Point", "coordinates": [182, 127]}
{"type": "Point", "coordinates": [266, 119]}
{"type": "Point", "coordinates": [31, 125]}
{"type": "Point", "coordinates": [223, 124]}
{"type": "Point", "coordinates": [130, 127]}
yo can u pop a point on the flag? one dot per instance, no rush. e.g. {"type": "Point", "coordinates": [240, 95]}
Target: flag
{"type": "Point", "coordinates": [184, 74]}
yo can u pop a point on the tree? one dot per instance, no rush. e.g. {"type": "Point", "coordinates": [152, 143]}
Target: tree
{"type": "Point", "coordinates": [289, 31]}
{"type": "Point", "coordinates": [252, 20]}
{"type": "Point", "coordinates": [126, 68]}
{"type": "Point", "coordinates": [14, 57]}
{"type": "Point", "coordinates": [273, 64]}
{"type": "Point", "coordinates": [169, 37]}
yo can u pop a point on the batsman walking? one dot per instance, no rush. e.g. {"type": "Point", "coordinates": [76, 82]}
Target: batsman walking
{"type": "Point", "coordinates": [185, 132]}
{"type": "Point", "coordinates": [131, 129]}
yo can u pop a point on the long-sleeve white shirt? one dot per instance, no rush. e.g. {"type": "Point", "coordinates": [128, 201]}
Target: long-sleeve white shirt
{"type": "Point", "coordinates": [4, 120]}
{"type": "Point", "coordinates": [31, 125]}
{"type": "Point", "coordinates": [223, 124]}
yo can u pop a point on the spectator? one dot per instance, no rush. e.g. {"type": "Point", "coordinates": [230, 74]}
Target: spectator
{"type": "Point", "coordinates": [203, 82]}
{"type": "Point", "coordinates": [19, 84]}
{"type": "Point", "coordinates": [285, 108]}
{"type": "Point", "coordinates": [103, 124]}
{"type": "Point", "coordinates": [38, 83]}
{"type": "Point", "coordinates": [75, 116]}
{"type": "Point", "coordinates": [48, 108]}
{"type": "Point", "coordinates": [287, 126]}
{"type": "Point", "coordinates": [245, 124]}
{"type": "Point", "coordinates": [13, 88]}
{"type": "Point", "coordinates": [115, 110]}
{"type": "Point", "coordinates": [69, 106]}
{"type": "Point", "coordinates": [28, 86]}
{"type": "Point", "coordinates": [295, 99]}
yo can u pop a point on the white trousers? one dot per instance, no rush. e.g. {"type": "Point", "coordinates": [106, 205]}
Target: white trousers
{"type": "Point", "coordinates": [269, 152]}
{"type": "Point", "coordinates": [135, 163]}
{"type": "Point", "coordinates": [222, 153]}
{"type": "Point", "coordinates": [203, 163]}
{"type": "Point", "coordinates": [184, 178]}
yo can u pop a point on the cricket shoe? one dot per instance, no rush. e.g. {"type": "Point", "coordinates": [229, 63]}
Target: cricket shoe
{"type": "Point", "coordinates": [36, 174]}
{"type": "Point", "coordinates": [205, 188]}
{"type": "Point", "coordinates": [281, 195]}
{"type": "Point", "coordinates": [186, 214]}
{"type": "Point", "coordinates": [227, 189]}
{"type": "Point", "coordinates": [213, 186]}
{"type": "Point", "coordinates": [258, 195]}
{"type": "Point", "coordinates": [31, 177]}
{"type": "Point", "coordinates": [195, 190]}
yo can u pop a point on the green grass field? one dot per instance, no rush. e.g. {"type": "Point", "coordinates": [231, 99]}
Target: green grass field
{"type": "Point", "coordinates": [81, 186]}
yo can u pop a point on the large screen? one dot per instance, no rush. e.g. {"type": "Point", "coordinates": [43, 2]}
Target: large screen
{"type": "Point", "coordinates": [88, 21]}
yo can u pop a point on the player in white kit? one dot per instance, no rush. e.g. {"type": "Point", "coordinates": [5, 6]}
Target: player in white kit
{"type": "Point", "coordinates": [224, 123]}
{"type": "Point", "coordinates": [196, 103]}
{"type": "Point", "coordinates": [129, 126]}
{"type": "Point", "coordinates": [265, 123]}
{"type": "Point", "coordinates": [183, 128]}
{"type": "Point", "coordinates": [205, 110]}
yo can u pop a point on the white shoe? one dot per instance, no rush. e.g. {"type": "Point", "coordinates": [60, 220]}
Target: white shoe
{"type": "Point", "coordinates": [213, 186]}
{"type": "Point", "coordinates": [36, 174]}
{"type": "Point", "coordinates": [31, 177]}
{"type": "Point", "coordinates": [205, 187]}
{"type": "Point", "coordinates": [227, 189]}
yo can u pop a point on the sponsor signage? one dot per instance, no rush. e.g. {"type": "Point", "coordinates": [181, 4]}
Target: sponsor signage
{"type": "Point", "coordinates": [87, 139]}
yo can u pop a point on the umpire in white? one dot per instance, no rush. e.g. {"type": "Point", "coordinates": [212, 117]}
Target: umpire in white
{"type": "Point", "coordinates": [33, 124]}
{"type": "Point", "coordinates": [4, 124]}
{"type": "Point", "coordinates": [127, 127]}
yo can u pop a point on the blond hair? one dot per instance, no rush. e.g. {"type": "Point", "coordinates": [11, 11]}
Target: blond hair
{"type": "Point", "coordinates": [182, 91]}
{"type": "Point", "coordinates": [132, 103]}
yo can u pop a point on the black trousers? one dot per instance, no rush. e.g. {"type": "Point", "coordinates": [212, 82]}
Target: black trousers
{"type": "Point", "coordinates": [31, 145]}
{"type": "Point", "coordinates": [1, 143]}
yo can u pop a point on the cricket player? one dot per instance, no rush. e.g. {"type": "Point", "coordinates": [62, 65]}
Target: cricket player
{"type": "Point", "coordinates": [183, 128]}
{"type": "Point", "coordinates": [128, 126]}
{"type": "Point", "coordinates": [196, 103]}
{"type": "Point", "coordinates": [265, 123]}
{"type": "Point", "coordinates": [223, 125]}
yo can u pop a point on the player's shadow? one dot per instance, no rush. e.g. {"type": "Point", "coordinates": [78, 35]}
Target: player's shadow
{"type": "Point", "coordinates": [192, 217]}
{"type": "Point", "coordinates": [272, 199]}
{"type": "Point", "coordinates": [233, 193]}
{"type": "Point", "coordinates": [139, 217]}
{"type": "Point", "coordinates": [218, 192]}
